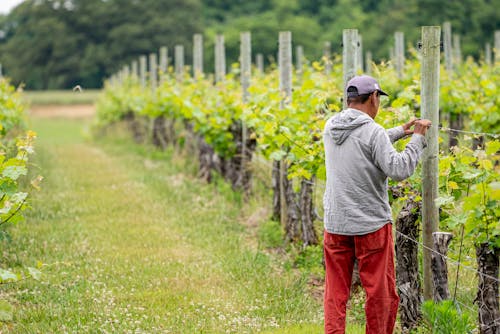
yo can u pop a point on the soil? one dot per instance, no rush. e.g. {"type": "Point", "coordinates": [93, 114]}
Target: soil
{"type": "Point", "coordinates": [63, 111]}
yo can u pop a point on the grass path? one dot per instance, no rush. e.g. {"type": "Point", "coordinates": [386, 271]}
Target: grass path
{"type": "Point", "coordinates": [133, 243]}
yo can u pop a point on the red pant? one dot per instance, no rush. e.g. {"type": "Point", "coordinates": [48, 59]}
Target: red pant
{"type": "Point", "coordinates": [375, 254]}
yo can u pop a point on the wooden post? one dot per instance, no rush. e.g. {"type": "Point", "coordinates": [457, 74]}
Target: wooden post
{"type": "Point", "coordinates": [142, 70]}
{"type": "Point", "coordinates": [1, 71]}
{"type": "Point", "coordinates": [179, 63]}
{"type": "Point", "coordinates": [430, 110]}
{"type": "Point", "coordinates": [448, 54]}
{"type": "Point", "coordinates": [285, 65]}
{"type": "Point", "coordinates": [126, 71]}
{"type": "Point", "coordinates": [497, 46]}
{"type": "Point", "coordinates": [246, 63]}
{"type": "Point", "coordinates": [368, 62]}
{"type": "Point", "coordinates": [457, 51]}
{"type": "Point", "coordinates": [400, 53]}
{"type": "Point", "coordinates": [285, 88]}
{"type": "Point", "coordinates": [349, 57]}
{"type": "Point", "coordinates": [327, 57]}
{"type": "Point", "coordinates": [246, 75]}
{"type": "Point", "coordinates": [153, 70]}
{"type": "Point", "coordinates": [220, 59]}
{"type": "Point", "coordinates": [197, 56]}
{"type": "Point", "coordinates": [359, 53]}
{"type": "Point", "coordinates": [135, 70]}
{"type": "Point", "coordinates": [299, 61]}
{"type": "Point", "coordinates": [487, 54]}
{"type": "Point", "coordinates": [163, 63]}
{"type": "Point", "coordinates": [259, 60]}
{"type": "Point", "coordinates": [439, 265]}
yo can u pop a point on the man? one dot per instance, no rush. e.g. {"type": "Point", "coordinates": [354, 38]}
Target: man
{"type": "Point", "coordinates": [359, 158]}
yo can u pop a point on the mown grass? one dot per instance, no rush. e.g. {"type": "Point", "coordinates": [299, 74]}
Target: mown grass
{"type": "Point", "coordinates": [61, 97]}
{"type": "Point", "coordinates": [133, 243]}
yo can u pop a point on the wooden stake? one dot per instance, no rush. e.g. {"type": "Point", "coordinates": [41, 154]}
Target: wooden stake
{"type": "Point", "coordinates": [349, 57]}
{"type": "Point", "coordinates": [179, 63]}
{"type": "Point", "coordinates": [359, 53]}
{"type": "Point", "coordinates": [285, 88]}
{"type": "Point", "coordinates": [135, 69]}
{"type": "Point", "coordinates": [457, 51]}
{"type": "Point", "coordinates": [430, 110]}
{"type": "Point", "coordinates": [400, 53]}
{"type": "Point", "coordinates": [259, 60]}
{"type": "Point", "coordinates": [197, 56]}
{"type": "Point", "coordinates": [497, 46]}
{"type": "Point", "coordinates": [448, 55]}
{"type": "Point", "coordinates": [368, 62]}
{"type": "Point", "coordinates": [327, 57]}
{"type": "Point", "coordinates": [487, 54]}
{"type": "Point", "coordinates": [163, 63]}
{"type": "Point", "coordinates": [153, 70]}
{"type": "Point", "coordinates": [220, 59]}
{"type": "Point", "coordinates": [299, 61]}
{"type": "Point", "coordinates": [142, 70]}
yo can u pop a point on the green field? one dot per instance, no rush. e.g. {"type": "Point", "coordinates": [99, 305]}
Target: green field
{"type": "Point", "coordinates": [132, 242]}
{"type": "Point", "coordinates": [61, 97]}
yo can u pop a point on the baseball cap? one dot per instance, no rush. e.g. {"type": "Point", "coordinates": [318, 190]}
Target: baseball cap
{"type": "Point", "coordinates": [361, 85]}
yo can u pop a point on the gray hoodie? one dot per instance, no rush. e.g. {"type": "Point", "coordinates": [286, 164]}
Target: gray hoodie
{"type": "Point", "coordinates": [359, 157]}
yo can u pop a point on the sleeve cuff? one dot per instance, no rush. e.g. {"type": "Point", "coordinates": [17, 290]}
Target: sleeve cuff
{"type": "Point", "coordinates": [418, 138]}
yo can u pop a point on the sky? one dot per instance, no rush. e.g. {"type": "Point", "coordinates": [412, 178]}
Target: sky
{"type": "Point", "coordinates": [7, 5]}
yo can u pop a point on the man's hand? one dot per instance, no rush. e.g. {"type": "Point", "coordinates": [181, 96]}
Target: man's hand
{"type": "Point", "coordinates": [421, 126]}
{"type": "Point", "coordinates": [407, 127]}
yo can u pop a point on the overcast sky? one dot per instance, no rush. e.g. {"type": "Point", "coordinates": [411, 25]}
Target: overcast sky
{"type": "Point", "coordinates": [7, 5]}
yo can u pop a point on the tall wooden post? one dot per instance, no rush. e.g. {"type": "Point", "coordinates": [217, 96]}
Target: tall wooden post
{"type": "Point", "coordinates": [368, 63]}
{"type": "Point", "coordinates": [285, 88]}
{"type": "Point", "coordinates": [359, 53]}
{"type": "Point", "coordinates": [349, 57]}
{"type": "Point", "coordinates": [487, 54]}
{"type": "Point", "coordinates": [179, 63]}
{"type": "Point", "coordinates": [430, 111]}
{"type": "Point", "coordinates": [400, 53]}
{"type": "Point", "coordinates": [197, 56]}
{"type": "Point", "coordinates": [142, 70]}
{"type": "Point", "coordinates": [457, 50]}
{"type": "Point", "coordinates": [299, 62]}
{"type": "Point", "coordinates": [285, 63]}
{"type": "Point", "coordinates": [135, 69]}
{"type": "Point", "coordinates": [497, 46]}
{"type": "Point", "coordinates": [220, 59]}
{"type": "Point", "coordinates": [153, 70]}
{"type": "Point", "coordinates": [448, 54]}
{"type": "Point", "coordinates": [259, 62]}
{"type": "Point", "coordinates": [327, 57]}
{"type": "Point", "coordinates": [246, 63]}
{"type": "Point", "coordinates": [163, 63]}
{"type": "Point", "coordinates": [246, 75]}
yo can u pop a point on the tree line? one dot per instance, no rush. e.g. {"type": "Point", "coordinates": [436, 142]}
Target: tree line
{"type": "Point", "coordinates": [55, 44]}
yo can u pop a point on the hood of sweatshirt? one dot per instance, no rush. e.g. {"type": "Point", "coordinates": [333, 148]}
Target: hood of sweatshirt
{"type": "Point", "coordinates": [340, 126]}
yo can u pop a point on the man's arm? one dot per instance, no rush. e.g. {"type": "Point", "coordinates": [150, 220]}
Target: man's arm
{"type": "Point", "coordinates": [399, 165]}
{"type": "Point", "coordinates": [401, 131]}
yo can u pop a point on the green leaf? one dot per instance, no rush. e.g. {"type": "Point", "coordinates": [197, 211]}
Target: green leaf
{"type": "Point", "coordinates": [13, 172]}
{"type": "Point", "coordinates": [492, 147]}
{"type": "Point", "coordinates": [34, 273]}
{"type": "Point", "coordinates": [444, 200]}
{"type": "Point", "coordinates": [6, 276]}
{"type": "Point", "coordinates": [277, 155]}
{"type": "Point", "coordinates": [6, 311]}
